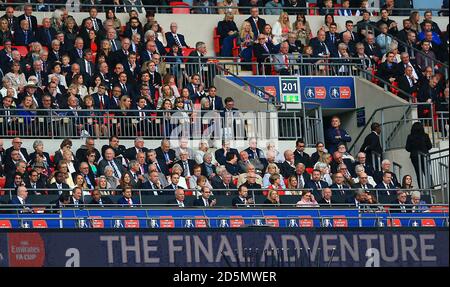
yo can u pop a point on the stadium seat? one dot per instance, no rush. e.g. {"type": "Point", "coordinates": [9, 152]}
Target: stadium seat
{"type": "Point", "coordinates": [39, 223]}
{"type": "Point", "coordinates": [4, 223]}
{"type": "Point", "coordinates": [428, 222]}
{"type": "Point", "coordinates": [336, 8]}
{"type": "Point", "coordinates": [23, 50]}
{"type": "Point", "coordinates": [187, 51]}
{"type": "Point", "coordinates": [306, 221]}
{"type": "Point", "coordinates": [2, 182]}
{"type": "Point", "coordinates": [216, 38]}
{"type": "Point", "coordinates": [201, 222]}
{"type": "Point", "coordinates": [272, 221]}
{"type": "Point", "coordinates": [166, 222]}
{"type": "Point", "coordinates": [394, 222]}
{"type": "Point", "coordinates": [131, 222]}
{"type": "Point", "coordinates": [97, 222]}
{"type": "Point", "coordinates": [312, 11]}
{"type": "Point", "coordinates": [439, 209]}
{"type": "Point", "coordinates": [180, 8]}
{"type": "Point", "coordinates": [340, 221]}
{"type": "Point", "coordinates": [309, 170]}
{"type": "Point", "coordinates": [236, 221]}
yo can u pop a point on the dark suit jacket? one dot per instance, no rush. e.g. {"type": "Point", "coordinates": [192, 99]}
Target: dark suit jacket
{"type": "Point", "coordinates": [385, 72]}
{"type": "Point", "coordinates": [15, 200]}
{"type": "Point", "coordinates": [305, 159]}
{"type": "Point", "coordinates": [371, 143]}
{"type": "Point", "coordinates": [130, 153]}
{"type": "Point", "coordinates": [384, 191]}
{"type": "Point", "coordinates": [395, 208]}
{"type": "Point", "coordinates": [124, 202]}
{"type": "Point", "coordinates": [191, 164]}
{"type": "Point", "coordinates": [106, 101]}
{"type": "Point", "coordinates": [340, 194]}
{"type": "Point", "coordinates": [236, 200]}
{"type": "Point", "coordinates": [34, 24]}
{"type": "Point", "coordinates": [323, 203]}
{"type": "Point", "coordinates": [173, 201]}
{"type": "Point", "coordinates": [19, 38]}
{"type": "Point", "coordinates": [358, 185]}
{"type": "Point", "coordinates": [286, 169]}
{"type": "Point", "coordinates": [403, 84]}
{"type": "Point", "coordinates": [160, 155]}
{"type": "Point", "coordinates": [203, 167]}
{"type": "Point", "coordinates": [221, 159]}
{"type": "Point", "coordinates": [220, 185]}
{"type": "Point", "coordinates": [312, 185]}
{"type": "Point", "coordinates": [257, 28]}
{"type": "Point", "coordinates": [103, 163]}
{"type": "Point", "coordinates": [171, 40]}
{"type": "Point", "coordinates": [378, 177]}
{"type": "Point", "coordinates": [332, 142]}
{"type": "Point", "coordinates": [260, 53]}
{"type": "Point", "coordinates": [105, 200]}
{"type": "Point", "coordinates": [42, 37]}
{"type": "Point", "coordinates": [74, 56]}
{"type": "Point", "coordinates": [318, 48]}
{"type": "Point", "coordinates": [53, 188]}
{"type": "Point", "coordinates": [199, 202]}
{"type": "Point", "coordinates": [22, 150]}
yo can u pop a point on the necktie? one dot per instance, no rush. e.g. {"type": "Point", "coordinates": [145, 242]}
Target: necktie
{"type": "Point", "coordinates": [129, 201]}
{"type": "Point", "coordinates": [116, 172]}
{"type": "Point", "coordinates": [300, 182]}
{"type": "Point", "coordinates": [88, 68]}
{"type": "Point", "coordinates": [100, 201]}
{"type": "Point", "coordinates": [177, 41]}
{"type": "Point", "coordinates": [26, 37]}
{"type": "Point", "coordinates": [158, 167]}
{"type": "Point", "coordinates": [265, 48]}
{"type": "Point", "coordinates": [101, 102]}
{"type": "Point", "coordinates": [186, 169]}
{"type": "Point", "coordinates": [332, 38]}
{"type": "Point", "coordinates": [80, 53]}
{"type": "Point", "coordinates": [113, 45]}
{"type": "Point", "coordinates": [29, 22]}
{"type": "Point", "coordinates": [88, 182]}
{"type": "Point", "coordinates": [166, 155]}
{"type": "Point", "coordinates": [206, 202]}
{"type": "Point", "coordinates": [94, 21]}
{"type": "Point", "coordinates": [75, 202]}
{"type": "Point", "coordinates": [318, 185]}
{"type": "Point", "coordinates": [286, 61]}
{"type": "Point", "coordinates": [135, 176]}
{"type": "Point", "coordinates": [49, 36]}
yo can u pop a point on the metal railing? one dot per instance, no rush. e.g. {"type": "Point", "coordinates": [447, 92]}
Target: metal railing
{"type": "Point", "coordinates": [442, 125]}
{"type": "Point", "coordinates": [394, 133]}
{"type": "Point", "coordinates": [199, 9]}
{"type": "Point", "coordinates": [158, 124]}
{"type": "Point", "coordinates": [432, 169]}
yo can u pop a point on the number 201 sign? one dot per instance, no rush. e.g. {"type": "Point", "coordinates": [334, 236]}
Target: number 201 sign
{"type": "Point", "coordinates": [289, 87]}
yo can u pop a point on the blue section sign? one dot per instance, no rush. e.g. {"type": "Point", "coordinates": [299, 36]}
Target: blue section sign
{"type": "Point", "coordinates": [329, 92]}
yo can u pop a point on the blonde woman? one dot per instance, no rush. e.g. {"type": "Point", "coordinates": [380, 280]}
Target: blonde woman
{"type": "Point", "coordinates": [246, 39]}
{"type": "Point", "coordinates": [281, 28]}
{"type": "Point", "coordinates": [166, 94]}
{"type": "Point", "coordinates": [271, 170]}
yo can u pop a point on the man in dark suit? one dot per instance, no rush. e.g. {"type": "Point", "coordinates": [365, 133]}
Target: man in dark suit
{"type": "Point", "coordinates": [335, 135]}
{"type": "Point", "coordinates": [372, 49]}
{"type": "Point", "coordinates": [153, 184]}
{"type": "Point", "coordinates": [76, 52]}
{"type": "Point", "coordinates": [165, 154]}
{"type": "Point", "coordinates": [256, 22]}
{"type": "Point", "coordinates": [242, 198]}
{"type": "Point", "coordinates": [316, 184]}
{"type": "Point", "coordinates": [55, 52]}
{"type": "Point", "coordinates": [302, 176]}
{"type": "Point", "coordinates": [97, 24]}
{"type": "Point", "coordinates": [386, 167]}
{"type": "Point", "coordinates": [179, 199]}
{"type": "Point", "coordinates": [398, 205]}
{"type": "Point", "coordinates": [319, 46]}
{"type": "Point", "coordinates": [407, 83]}
{"type": "Point", "coordinates": [101, 98]}
{"type": "Point", "coordinates": [121, 55]}
{"type": "Point", "coordinates": [109, 159]}
{"type": "Point", "coordinates": [220, 154]}
{"type": "Point", "coordinates": [251, 183]}
{"type": "Point", "coordinates": [99, 200]}
{"type": "Point", "coordinates": [372, 143]}
{"type": "Point", "coordinates": [36, 182]}
{"type": "Point", "coordinates": [159, 163]}
{"type": "Point", "coordinates": [223, 183]}
{"type": "Point", "coordinates": [349, 28]}
{"type": "Point", "coordinates": [300, 155]}
{"type": "Point", "coordinates": [59, 186]}
{"type": "Point", "coordinates": [23, 35]}
{"type": "Point", "coordinates": [134, 26]}
{"type": "Point", "coordinates": [174, 179]}
{"type": "Point", "coordinates": [197, 60]}
{"type": "Point", "coordinates": [215, 101]}
{"type": "Point", "coordinates": [130, 153]}
{"type": "Point", "coordinates": [31, 20]}
{"type": "Point", "coordinates": [174, 38]}
{"type": "Point", "coordinates": [9, 16]}
{"type": "Point", "coordinates": [262, 50]}
{"type": "Point", "coordinates": [327, 199]}
{"type": "Point", "coordinates": [186, 163]}
{"type": "Point", "coordinates": [287, 168]}
{"type": "Point", "coordinates": [20, 200]}
{"type": "Point", "coordinates": [87, 66]}
{"type": "Point", "coordinates": [332, 38]}
{"type": "Point", "coordinates": [46, 33]}
{"type": "Point", "coordinates": [87, 174]}
{"type": "Point", "coordinates": [205, 200]}
{"type": "Point", "coordinates": [76, 200]}
{"type": "Point", "coordinates": [17, 146]}
{"type": "Point", "coordinates": [256, 154]}
{"type": "Point", "coordinates": [339, 189]}
{"type": "Point", "coordinates": [114, 144]}
{"type": "Point", "coordinates": [361, 159]}
{"type": "Point", "coordinates": [14, 180]}
{"type": "Point", "coordinates": [363, 182]}
{"type": "Point", "coordinates": [386, 187]}
{"type": "Point", "coordinates": [387, 71]}
{"type": "Point", "coordinates": [132, 68]}
{"type": "Point", "coordinates": [127, 200]}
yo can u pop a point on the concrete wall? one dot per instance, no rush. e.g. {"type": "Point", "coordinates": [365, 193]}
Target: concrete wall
{"type": "Point", "coordinates": [200, 27]}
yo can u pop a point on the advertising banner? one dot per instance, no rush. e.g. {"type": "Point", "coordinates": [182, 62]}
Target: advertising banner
{"type": "Point", "coordinates": [227, 247]}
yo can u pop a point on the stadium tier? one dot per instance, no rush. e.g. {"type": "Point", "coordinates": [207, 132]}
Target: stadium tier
{"type": "Point", "coordinates": [226, 134]}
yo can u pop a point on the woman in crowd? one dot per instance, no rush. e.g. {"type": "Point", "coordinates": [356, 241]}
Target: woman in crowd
{"type": "Point", "coordinates": [26, 110]}
{"type": "Point", "coordinates": [359, 169]}
{"type": "Point", "coordinates": [78, 81]}
{"type": "Point", "coordinates": [5, 32]}
{"type": "Point", "coordinates": [407, 182]}
{"type": "Point", "coordinates": [418, 142]}
{"type": "Point", "coordinates": [329, 18]}
{"type": "Point", "coordinates": [96, 81]}
{"type": "Point", "coordinates": [276, 184]}
{"type": "Point", "coordinates": [112, 181]}
{"type": "Point", "coordinates": [281, 28]}
{"type": "Point", "coordinates": [38, 147]}
{"type": "Point", "coordinates": [70, 31]}
{"type": "Point", "coordinates": [302, 29]}
{"type": "Point", "coordinates": [246, 40]}
{"type": "Point", "coordinates": [228, 31]}
{"type": "Point", "coordinates": [63, 168]}
{"type": "Point", "coordinates": [125, 126]}
{"type": "Point", "coordinates": [292, 186]}
{"type": "Point", "coordinates": [267, 31]}
{"type": "Point", "coordinates": [16, 77]}
{"type": "Point", "coordinates": [90, 117]}
{"type": "Point", "coordinates": [271, 170]}
{"type": "Point", "coordinates": [273, 198]}
{"type": "Point", "coordinates": [90, 159]}
{"type": "Point", "coordinates": [103, 186]}
{"type": "Point", "coordinates": [166, 94]}
{"type": "Point", "coordinates": [93, 42]}
{"type": "Point", "coordinates": [307, 200]}
{"type": "Point", "coordinates": [164, 126]}
{"type": "Point", "coordinates": [182, 180]}
{"type": "Point", "coordinates": [104, 51]}
{"type": "Point", "coordinates": [56, 72]}
{"type": "Point", "coordinates": [111, 15]}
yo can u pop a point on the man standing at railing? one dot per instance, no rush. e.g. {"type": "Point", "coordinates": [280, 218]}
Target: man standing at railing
{"type": "Point", "coordinates": [335, 135]}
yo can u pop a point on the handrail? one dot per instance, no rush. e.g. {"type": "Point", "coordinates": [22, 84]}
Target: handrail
{"type": "Point", "coordinates": [306, 9]}
{"type": "Point", "coordinates": [270, 96]}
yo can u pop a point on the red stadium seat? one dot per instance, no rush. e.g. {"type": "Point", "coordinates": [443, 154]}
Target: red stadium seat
{"type": "Point", "coordinates": [312, 11]}
{"type": "Point", "coordinates": [428, 222]}
{"type": "Point", "coordinates": [394, 222]}
{"type": "Point", "coordinates": [236, 221]}
{"type": "Point", "coordinates": [309, 170]}
{"type": "Point", "coordinates": [166, 222]}
{"type": "Point", "coordinates": [23, 50]}
{"type": "Point", "coordinates": [272, 221]}
{"type": "Point", "coordinates": [306, 221]}
{"type": "Point", "coordinates": [2, 182]}
{"type": "Point", "coordinates": [187, 51]}
{"type": "Point", "coordinates": [439, 209]}
{"type": "Point", "coordinates": [216, 38]}
{"type": "Point", "coordinates": [336, 10]}
{"type": "Point", "coordinates": [201, 222]}
{"type": "Point", "coordinates": [131, 222]}
{"type": "Point", "coordinates": [180, 8]}
{"type": "Point", "coordinates": [4, 223]}
{"type": "Point", "coordinates": [39, 223]}
{"type": "Point", "coordinates": [340, 221]}
{"type": "Point", "coordinates": [97, 222]}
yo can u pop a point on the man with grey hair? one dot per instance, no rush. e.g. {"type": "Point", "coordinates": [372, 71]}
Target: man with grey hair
{"type": "Point", "coordinates": [283, 60]}
{"type": "Point", "coordinates": [158, 179]}
{"type": "Point", "coordinates": [386, 167]}
{"type": "Point", "coordinates": [130, 153]}
{"type": "Point", "coordinates": [183, 145]}
{"type": "Point", "coordinates": [186, 163]}
{"type": "Point", "coordinates": [87, 174]}
{"type": "Point", "coordinates": [111, 36]}
{"type": "Point", "coordinates": [197, 56]}
{"type": "Point", "coordinates": [45, 33]}
{"type": "Point", "coordinates": [134, 172]}
{"type": "Point", "coordinates": [417, 204]}
{"type": "Point", "coordinates": [55, 53]}
{"type": "Point", "coordinates": [20, 200]}
{"type": "Point", "coordinates": [208, 168]}
{"type": "Point", "coordinates": [343, 67]}
{"type": "Point", "coordinates": [174, 38]}
{"type": "Point", "coordinates": [179, 198]}
{"type": "Point", "coordinates": [399, 204]}
{"type": "Point", "coordinates": [360, 197]}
